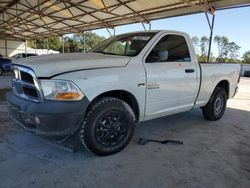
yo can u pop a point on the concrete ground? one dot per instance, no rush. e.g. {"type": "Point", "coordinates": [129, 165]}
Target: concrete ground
{"type": "Point", "coordinates": [214, 154]}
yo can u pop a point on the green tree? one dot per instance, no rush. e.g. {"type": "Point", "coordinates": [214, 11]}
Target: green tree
{"type": "Point", "coordinates": [223, 48]}
{"type": "Point", "coordinates": [246, 57]}
{"type": "Point", "coordinates": [233, 49]}
{"type": "Point", "coordinates": [91, 39]}
{"type": "Point", "coordinates": [73, 43]}
{"type": "Point", "coordinates": [218, 40]}
{"type": "Point", "coordinates": [227, 51]}
{"type": "Point", "coordinates": [196, 42]}
{"type": "Point", "coordinates": [70, 45]}
{"type": "Point", "coordinates": [54, 43]}
{"type": "Point", "coordinates": [204, 45]}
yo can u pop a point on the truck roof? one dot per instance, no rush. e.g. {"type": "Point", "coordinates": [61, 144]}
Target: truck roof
{"type": "Point", "coordinates": [156, 31]}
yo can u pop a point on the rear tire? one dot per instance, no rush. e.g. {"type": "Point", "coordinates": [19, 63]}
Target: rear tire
{"type": "Point", "coordinates": [108, 126]}
{"type": "Point", "coordinates": [216, 105]}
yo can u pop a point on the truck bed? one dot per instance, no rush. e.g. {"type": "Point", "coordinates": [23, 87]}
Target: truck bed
{"type": "Point", "coordinates": [214, 72]}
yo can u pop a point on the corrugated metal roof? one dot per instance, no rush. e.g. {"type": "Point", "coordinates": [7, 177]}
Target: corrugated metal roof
{"type": "Point", "coordinates": [43, 18]}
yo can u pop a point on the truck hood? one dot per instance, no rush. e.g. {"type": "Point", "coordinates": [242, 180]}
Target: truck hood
{"type": "Point", "coordinates": [49, 65]}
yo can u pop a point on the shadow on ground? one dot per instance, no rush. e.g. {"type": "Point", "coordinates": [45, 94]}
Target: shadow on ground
{"type": "Point", "coordinates": [214, 154]}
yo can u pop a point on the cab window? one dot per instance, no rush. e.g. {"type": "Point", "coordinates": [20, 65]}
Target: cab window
{"type": "Point", "coordinates": [171, 48]}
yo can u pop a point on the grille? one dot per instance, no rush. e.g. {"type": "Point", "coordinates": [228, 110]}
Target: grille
{"type": "Point", "coordinates": [25, 84]}
{"type": "Point", "coordinates": [26, 77]}
{"type": "Point", "coordinates": [30, 92]}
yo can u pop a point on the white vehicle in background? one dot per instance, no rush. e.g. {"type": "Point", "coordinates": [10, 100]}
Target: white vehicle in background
{"type": "Point", "coordinates": [124, 80]}
{"type": "Point", "coordinates": [23, 55]}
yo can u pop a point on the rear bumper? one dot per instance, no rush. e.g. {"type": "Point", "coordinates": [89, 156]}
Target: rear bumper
{"type": "Point", "coordinates": [47, 118]}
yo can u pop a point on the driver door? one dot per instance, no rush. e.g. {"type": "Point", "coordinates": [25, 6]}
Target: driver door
{"type": "Point", "coordinates": [171, 77]}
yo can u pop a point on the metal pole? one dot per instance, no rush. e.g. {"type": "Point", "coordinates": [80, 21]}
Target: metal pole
{"type": "Point", "coordinates": [109, 32]}
{"type": "Point", "coordinates": [47, 42]}
{"type": "Point", "coordinates": [84, 42]}
{"type": "Point", "coordinates": [208, 21]}
{"type": "Point", "coordinates": [143, 26]}
{"type": "Point", "coordinates": [62, 44]}
{"type": "Point", "coordinates": [6, 50]}
{"type": "Point", "coordinates": [210, 39]}
{"type": "Point", "coordinates": [35, 46]}
{"type": "Point", "coordinates": [25, 45]}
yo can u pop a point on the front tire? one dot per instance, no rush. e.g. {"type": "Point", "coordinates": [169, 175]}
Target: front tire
{"type": "Point", "coordinates": [216, 105]}
{"type": "Point", "coordinates": [108, 126]}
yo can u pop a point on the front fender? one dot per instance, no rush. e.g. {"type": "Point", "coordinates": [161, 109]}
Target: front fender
{"type": "Point", "coordinates": [98, 81]}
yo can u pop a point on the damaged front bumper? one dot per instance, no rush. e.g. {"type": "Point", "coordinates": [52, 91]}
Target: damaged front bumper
{"type": "Point", "coordinates": [47, 118]}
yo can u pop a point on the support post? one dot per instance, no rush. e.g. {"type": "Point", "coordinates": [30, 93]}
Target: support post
{"type": "Point", "coordinates": [35, 46]}
{"type": "Point", "coordinates": [47, 43]}
{"type": "Point", "coordinates": [84, 42]}
{"type": "Point", "coordinates": [143, 26]}
{"type": "Point", "coordinates": [211, 26]}
{"type": "Point", "coordinates": [62, 44]}
{"type": "Point", "coordinates": [6, 48]}
{"type": "Point", "coordinates": [109, 32]}
{"type": "Point", "coordinates": [25, 46]}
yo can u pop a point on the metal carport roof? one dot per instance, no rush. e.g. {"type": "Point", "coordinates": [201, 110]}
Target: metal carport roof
{"type": "Point", "coordinates": [43, 18]}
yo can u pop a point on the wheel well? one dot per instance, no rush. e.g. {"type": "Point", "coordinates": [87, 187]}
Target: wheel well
{"type": "Point", "coordinates": [225, 85]}
{"type": "Point", "coordinates": [125, 96]}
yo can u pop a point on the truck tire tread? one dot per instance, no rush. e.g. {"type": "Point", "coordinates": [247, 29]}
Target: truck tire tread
{"type": "Point", "coordinates": [92, 108]}
{"type": "Point", "coordinates": [208, 110]}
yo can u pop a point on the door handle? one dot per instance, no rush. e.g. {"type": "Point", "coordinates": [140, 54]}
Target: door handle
{"type": "Point", "coordinates": [189, 70]}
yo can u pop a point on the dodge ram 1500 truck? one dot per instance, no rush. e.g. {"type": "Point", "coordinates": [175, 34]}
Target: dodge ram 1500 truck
{"type": "Point", "coordinates": [126, 79]}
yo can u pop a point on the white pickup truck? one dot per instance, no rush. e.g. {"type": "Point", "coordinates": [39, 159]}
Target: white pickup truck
{"type": "Point", "coordinates": [126, 79]}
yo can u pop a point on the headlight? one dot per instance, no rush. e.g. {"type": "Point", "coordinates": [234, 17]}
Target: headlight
{"type": "Point", "coordinates": [61, 90]}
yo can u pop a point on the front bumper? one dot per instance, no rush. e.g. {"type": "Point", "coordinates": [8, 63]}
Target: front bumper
{"type": "Point", "coordinates": [47, 118]}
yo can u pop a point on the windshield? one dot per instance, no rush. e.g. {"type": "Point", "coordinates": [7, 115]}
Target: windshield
{"type": "Point", "coordinates": [124, 45]}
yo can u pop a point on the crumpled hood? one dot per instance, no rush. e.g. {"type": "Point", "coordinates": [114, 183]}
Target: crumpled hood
{"type": "Point", "coordinates": [49, 65]}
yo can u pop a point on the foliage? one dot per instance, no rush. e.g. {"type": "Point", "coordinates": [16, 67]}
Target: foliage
{"type": "Point", "coordinates": [204, 45]}
{"type": "Point", "coordinates": [91, 40]}
{"type": "Point", "coordinates": [54, 43]}
{"type": "Point", "coordinates": [196, 43]}
{"type": "Point", "coordinates": [221, 43]}
{"type": "Point", "coordinates": [73, 43]}
{"type": "Point", "coordinates": [246, 57]}
{"type": "Point", "coordinates": [202, 58]}
{"type": "Point", "coordinates": [227, 51]}
{"type": "Point", "coordinates": [117, 48]}
{"type": "Point", "coordinates": [70, 45]}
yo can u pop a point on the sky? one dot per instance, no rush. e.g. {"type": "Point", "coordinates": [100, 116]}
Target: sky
{"type": "Point", "coordinates": [232, 23]}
